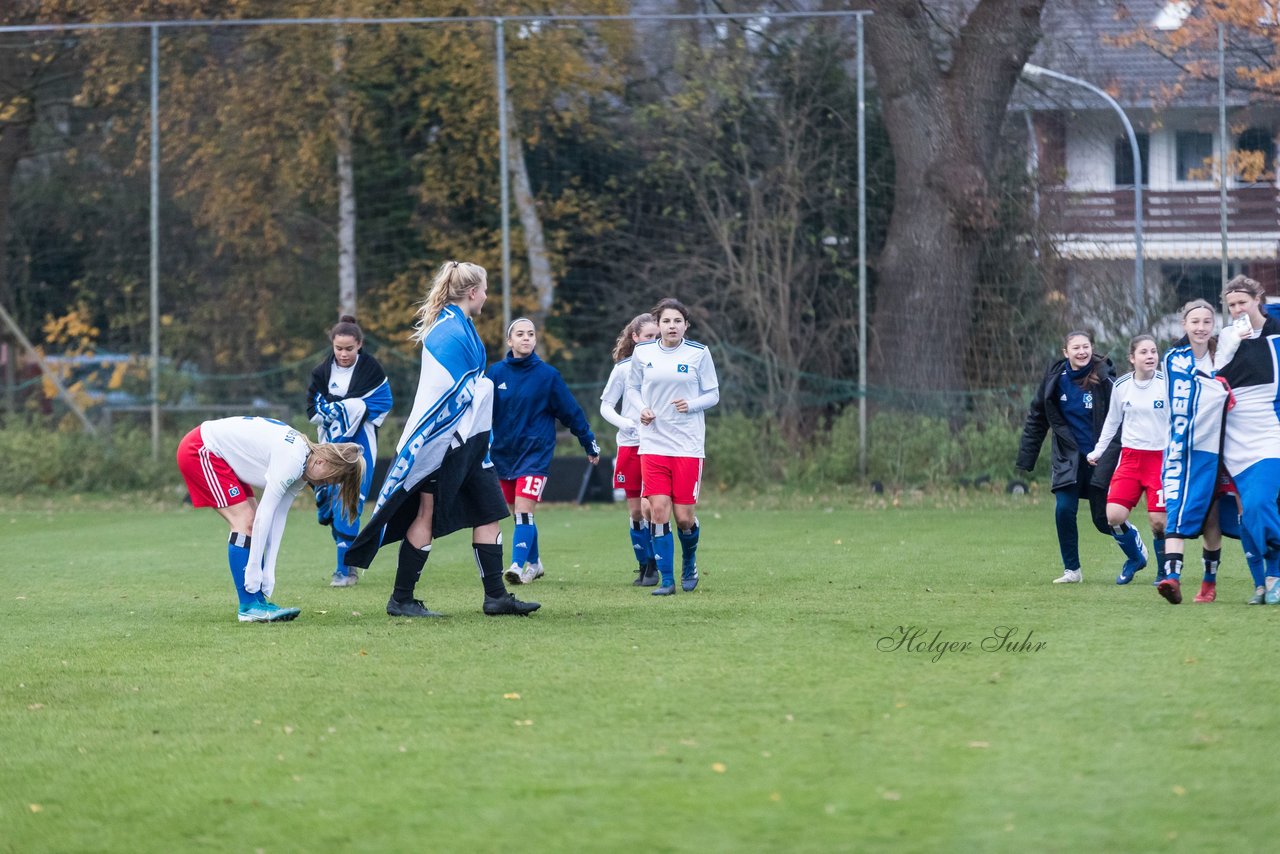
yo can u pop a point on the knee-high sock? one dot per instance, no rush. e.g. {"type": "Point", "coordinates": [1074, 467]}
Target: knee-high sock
{"type": "Point", "coordinates": [489, 563]}
{"type": "Point", "coordinates": [1158, 544]}
{"type": "Point", "coordinates": [689, 548]}
{"type": "Point", "coordinates": [238, 559]}
{"type": "Point", "coordinates": [1130, 542]}
{"type": "Point", "coordinates": [342, 544]}
{"type": "Point", "coordinates": [534, 555]}
{"type": "Point", "coordinates": [664, 552]}
{"type": "Point", "coordinates": [409, 570]}
{"type": "Point", "coordinates": [522, 541]}
{"type": "Point", "coordinates": [1257, 569]}
{"type": "Point", "coordinates": [1211, 560]}
{"type": "Point", "coordinates": [641, 541]}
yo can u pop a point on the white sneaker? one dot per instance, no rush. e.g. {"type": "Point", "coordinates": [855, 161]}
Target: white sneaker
{"type": "Point", "coordinates": [532, 572]}
{"type": "Point", "coordinates": [513, 575]}
{"type": "Point", "coordinates": [1069, 576]}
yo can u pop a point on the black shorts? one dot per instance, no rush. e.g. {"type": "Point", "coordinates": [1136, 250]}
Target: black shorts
{"type": "Point", "coordinates": [466, 489]}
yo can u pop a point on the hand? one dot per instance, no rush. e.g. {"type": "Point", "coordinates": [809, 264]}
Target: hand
{"type": "Point", "coordinates": [1092, 458]}
{"type": "Point", "coordinates": [595, 460]}
{"type": "Point", "coordinates": [326, 410]}
{"type": "Point", "coordinates": [680, 404]}
{"type": "Point", "coordinates": [647, 416]}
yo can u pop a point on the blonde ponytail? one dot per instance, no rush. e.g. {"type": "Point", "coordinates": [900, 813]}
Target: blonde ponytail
{"type": "Point", "coordinates": [451, 283]}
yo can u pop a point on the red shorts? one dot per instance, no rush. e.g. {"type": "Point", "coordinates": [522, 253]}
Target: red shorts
{"type": "Point", "coordinates": [678, 477]}
{"type": "Point", "coordinates": [526, 486]}
{"type": "Point", "coordinates": [209, 478]}
{"type": "Point", "coordinates": [626, 470]}
{"type": "Point", "coordinates": [1138, 472]}
{"type": "Point", "coordinates": [1226, 486]}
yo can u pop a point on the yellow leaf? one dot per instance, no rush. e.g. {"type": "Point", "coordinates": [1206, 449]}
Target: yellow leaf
{"type": "Point", "coordinates": [718, 767]}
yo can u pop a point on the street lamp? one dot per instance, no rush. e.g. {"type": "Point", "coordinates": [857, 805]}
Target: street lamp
{"type": "Point", "coordinates": [1139, 282]}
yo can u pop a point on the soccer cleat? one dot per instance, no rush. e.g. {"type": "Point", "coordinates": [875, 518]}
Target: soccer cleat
{"type": "Point", "coordinates": [1272, 596]}
{"type": "Point", "coordinates": [1129, 569]}
{"type": "Point", "coordinates": [1208, 592]}
{"type": "Point", "coordinates": [495, 606]}
{"type": "Point", "coordinates": [689, 580]}
{"type": "Point", "coordinates": [648, 575]}
{"type": "Point", "coordinates": [1171, 590]}
{"type": "Point", "coordinates": [1069, 576]}
{"type": "Point", "coordinates": [513, 574]}
{"type": "Point", "coordinates": [1259, 596]}
{"type": "Point", "coordinates": [531, 573]}
{"type": "Point", "coordinates": [344, 580]}
{"type": "Point", "coordinates": [263, 611]}
{"type": "Point", "coordinates": [412, 608]}
{"type": "Point", "coordinates": [664, 590]}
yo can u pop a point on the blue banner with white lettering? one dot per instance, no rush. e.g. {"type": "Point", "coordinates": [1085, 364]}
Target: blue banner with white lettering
{"type": "Point", "coordinates": [1197, 404]}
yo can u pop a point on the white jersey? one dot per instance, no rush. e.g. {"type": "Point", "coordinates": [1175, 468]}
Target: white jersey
{"type": "Point", "coordinates": [615, 391]}
{"type": "Point", "coordinates": [270, 455]}
{"type": "Point", "coordinates": [657, 377]}
{"type": "Point", "coordinates": [1142, 409]}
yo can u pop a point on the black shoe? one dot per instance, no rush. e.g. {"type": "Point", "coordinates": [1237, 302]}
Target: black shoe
{"type": "Point", "coordinates": [412, 608]}
{"type": "Point", "coordinates": [507, 604]}
{"type": "Point", "coordinates": [649, 577]}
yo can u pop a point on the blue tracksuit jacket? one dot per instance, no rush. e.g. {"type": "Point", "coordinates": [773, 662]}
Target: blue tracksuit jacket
{"type": "Point", "coordinates": [529, 396]}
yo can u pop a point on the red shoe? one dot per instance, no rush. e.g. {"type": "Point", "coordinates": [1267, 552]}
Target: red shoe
{"type": "Point", "coordinates": [1171, 590]}
{"type": "Point", "coordinates": [1208, 591]}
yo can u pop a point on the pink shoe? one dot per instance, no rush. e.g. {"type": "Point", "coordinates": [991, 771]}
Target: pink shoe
{"type": "Point", "coordinates": [1208, 591]}
{"type": "Point", "coordinates": [1171, 590]}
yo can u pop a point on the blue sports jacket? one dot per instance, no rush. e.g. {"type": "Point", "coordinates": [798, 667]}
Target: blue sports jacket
{"type": "Point", "coordinates": [528, 397]}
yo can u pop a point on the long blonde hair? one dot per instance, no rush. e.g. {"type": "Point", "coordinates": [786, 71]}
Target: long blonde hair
{"type": "Point", "coordinates": [451, 283]}
{"type": "Point", "coordinates": [346, 461]}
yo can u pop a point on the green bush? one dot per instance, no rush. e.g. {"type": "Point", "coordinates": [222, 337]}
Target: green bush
{"type": "Point", "coordinates": [35, 457]}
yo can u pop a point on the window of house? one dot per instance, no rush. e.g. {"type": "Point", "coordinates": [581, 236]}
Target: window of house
{"type": "Point", "coordinates": [1194, 156]}
{"type": "Point", "coordinates": [1194, 281]}
{"type": "Point", "coordinates": [1256, 155]}
{"type": "Point", "coordinates": [1124, 160]}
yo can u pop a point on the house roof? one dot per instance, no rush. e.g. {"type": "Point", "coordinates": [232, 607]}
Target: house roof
{"type": "Point", "coordinates": [1084, 38]}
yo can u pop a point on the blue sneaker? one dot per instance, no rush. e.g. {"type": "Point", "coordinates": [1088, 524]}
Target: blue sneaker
{"type": "Point", "coordinates": [1129, 569]}
{"type": "Point", "coordinates": [689, 579]}
{"type": "Point", "coordinates": [664, 590]}
{"type": "Point", "coordinates": [1272, 596]}
{"type": "Point", "coordinates": [266, 612]}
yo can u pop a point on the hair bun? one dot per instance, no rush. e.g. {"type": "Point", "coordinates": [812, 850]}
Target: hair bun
{"type": "Point", "coordinates": [346, 318]}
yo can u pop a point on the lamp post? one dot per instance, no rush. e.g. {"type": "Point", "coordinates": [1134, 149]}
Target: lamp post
{"type": "Point", "coordinates": [1139, 282]}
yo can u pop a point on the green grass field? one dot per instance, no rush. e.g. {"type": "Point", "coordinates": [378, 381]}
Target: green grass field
{"type": "Point", "coordinates": [766, 711]}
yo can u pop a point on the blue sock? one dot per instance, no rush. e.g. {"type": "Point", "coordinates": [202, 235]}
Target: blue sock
{"type": "Point", "coordinates": [1211, 561]}
{"type": "Point", "coordinates": [1158, 543]}
{"type": "Point", "coordinates": [689, 549]}
{"type": "Point", "coordinates": [641, 541]}
{"type": "Point", "coordinates": [1130, 542]}
{"type": "Point", "coordinates": [343, 544]}
{"type": "Point", "coordinates": [1257, 569]}
{"type": "Point", "coordinates": [534, 557]}
{"type": "Point", "coordinates": [522, 541]}
{"type": "Point", "coordinates": [238, 559]}
{"type": "Point", "coordinates": [664, 552]}
{"type": "Point", "coordinates": [1271, 565]}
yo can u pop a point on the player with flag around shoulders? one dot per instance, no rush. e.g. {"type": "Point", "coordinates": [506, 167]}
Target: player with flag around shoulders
{"type": "Point", "coordinates": [672, 383]}
{"type": "Point", "coordinates": [626, 467]}
{"type": "Point", "coordinates": [441, 479]}
{"type": "Point", "coordinates": [1071, 404]}
{"type": "Point", "coordinates": [1138, 411]}
{"type": "Point", "coordinates": [222, 460]}
{"type": "Point", "coordinates": [348, 400]}
{"type": "Point", "coordinates": [529, 397]}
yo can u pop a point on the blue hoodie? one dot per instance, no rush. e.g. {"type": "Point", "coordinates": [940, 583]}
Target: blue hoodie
{"type": "Point", "coordinates": [528, 397]}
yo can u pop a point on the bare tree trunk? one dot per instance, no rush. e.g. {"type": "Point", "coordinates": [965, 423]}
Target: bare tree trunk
{"type": "Point", "coordinates": [346, 184]}
{"type": "Point", "coordinates": [544, 287]}
{"type": "Point", "coordinates": [944, 126]}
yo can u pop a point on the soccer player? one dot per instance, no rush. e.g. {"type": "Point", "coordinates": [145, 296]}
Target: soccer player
{"type": "Point", "coordinates": [1189, 475]}
{"type": "Point", "coordinates": [529, 397]}
{"type": "Point", "coordinates": [348, 400]}
{"type": "Point", "coordinates": [626, 468]}
{"type": "Point", "coordinates": [1246, 359]}
{"type": "Point", "coordinates": [220, 459]}
{"type": "Point", "coordinates": [671, 384]}
{"type": "Point", "coordinates": [1072, 403]}
{"type": "Point", "coordinates": [441, 479]}
{"type": "Point", "coordinates": [1138, 402]}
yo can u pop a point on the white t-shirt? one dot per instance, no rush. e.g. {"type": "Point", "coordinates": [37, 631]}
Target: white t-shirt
{"type": "Point", "coordinates": [628, 420]}
{"type": "Point", "coordinates": [340, 378]}
{"type": "Point", "coordinates": [272, 456]}
{"type": "Point", "coordinates": [1143, 411]}
{"type": "Point", "coordinates": [659, 376]}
